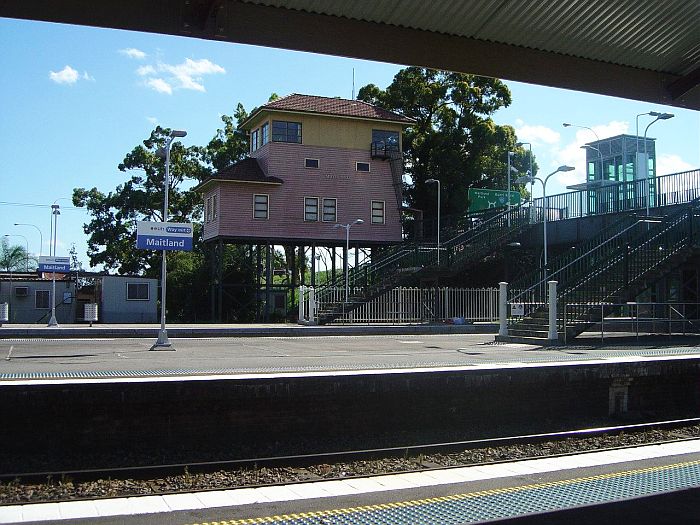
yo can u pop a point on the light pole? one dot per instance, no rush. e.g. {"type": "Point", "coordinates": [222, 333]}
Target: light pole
{"type": "Point", "coordinates": [436, 181]}
{"type": "Point", "coordinates": [55, 211]}
{"type": "Point", "coordinates": [41, 237]}
{"type": "Point", "coordinates": [529, 145]}
{"type": "Point", "coordinates": [26, 253]}
{"type": "Point", "coordinates": [163, 342]}
{"type": "Point", "coordinates": [659, 116]}
{"type": "Point", "coordinates": [347, 253]}
{"type": "Point", "coordinates": [510, 169]}
{"type": "Point", "coordinates": [530, 178]}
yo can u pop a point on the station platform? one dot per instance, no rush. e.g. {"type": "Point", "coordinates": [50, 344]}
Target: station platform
{"type": "Point", "coordinates": [617, 486]}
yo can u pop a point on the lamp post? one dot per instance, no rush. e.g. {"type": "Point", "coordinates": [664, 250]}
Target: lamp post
{"type": "Point", "coordinates": [26, 253]}
{"type": "Point", "coordinates": [659, 116]}
{"type": "Point", "coordinates": [529, 145]}
{"type": "Point", "coordinates": [530, 178]}
{"type": "Point", "coordinates": [163, 342]}
{"type": "Point", "coordinates": [55, 211]}
{"type": "Point", "coordinates": [436, 181]}
{"type": "Point", "coordinates": [510, 169]}
{"type": "Point", "coordinates": [41, 237]}
{"type": "Point", "coordinates": [597, 138]}
{"type": "Point", "coordinates": [347, 253]}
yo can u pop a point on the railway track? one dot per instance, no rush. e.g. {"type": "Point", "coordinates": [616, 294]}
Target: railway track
{"type": "Point", "coordinates": [36, 487]}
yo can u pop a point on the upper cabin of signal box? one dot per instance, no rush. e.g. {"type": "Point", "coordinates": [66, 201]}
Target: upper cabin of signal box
{"type": "Point", "coordinates": [314, 162]}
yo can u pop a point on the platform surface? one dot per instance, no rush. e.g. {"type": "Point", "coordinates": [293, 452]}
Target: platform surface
{"type": "Point", "coordinates": [65, 358]}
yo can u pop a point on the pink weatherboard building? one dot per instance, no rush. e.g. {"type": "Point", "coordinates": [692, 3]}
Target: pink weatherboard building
{"type": "Point", "coordinates": [314, 162]}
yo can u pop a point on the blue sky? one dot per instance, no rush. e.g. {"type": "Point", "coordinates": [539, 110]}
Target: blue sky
{"type": "Point", "coordinates": [75, 100]}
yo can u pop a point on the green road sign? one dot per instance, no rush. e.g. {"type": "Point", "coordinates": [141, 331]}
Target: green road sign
{"type": "Point", "coordinates": [481, 199]}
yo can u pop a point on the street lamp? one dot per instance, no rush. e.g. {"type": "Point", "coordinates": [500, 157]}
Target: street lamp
{"type": "Point", "coordinates": [26, 253]}
{"type": "Point", "coordinates": [436, 181]}
{"type": "Point", "coordinates": [163, 342]}
{"type": "Point", "coordinates": [510, 169]}
{"type": "Point", "coordinates": [529, 178]}
{"type": "Point", "coordinates": [55, 211]}
{"type": "Point", "coordinates": [347, 253]}
{"type": "Point", "coordinates": [41, 237]}
{"type": "Point", "coordinates": [659, 116]}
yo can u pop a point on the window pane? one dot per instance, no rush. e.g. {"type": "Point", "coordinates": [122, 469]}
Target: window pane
{"type": "Point", "coordinates": [377, 212]}
{"type": "Point", "coordinates": [311, 163]}
{"type": "Point", "coordinates": [42, 299]}
{"type": "Point", "coordinates": [310, 209]}
{"type": "Point", "coordinates": [329, 210]}
{"type": "Point", "coordinates": [362, 166]}
{"type": "Point", "coordinates": [283, 131]}
{"type": "Point", "coordinates": [137, 291]}
{"type": "Point", "coordinates": [265, 134]}
{"type": "Point", "coordinates": [260, 206]}
{"type": "Point", "coordinates": [389, 138]}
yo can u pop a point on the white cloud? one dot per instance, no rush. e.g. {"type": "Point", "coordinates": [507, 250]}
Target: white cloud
{"type": "Point", "coordinates": [145, 71]}
{"type": "Point", "coordinates": [152, 120]}
{"type": "Point", "coordinates": [187, 75]}
{"type": "Point", "coordinates": [133, 53]}
{"type": "Point", "coordinates": [87, 76]}
{"type": "Point", "coordinates": [159, 85]}
{"type": "Point", "coordinates": [668, 163]}
{"type": "Point", "coordinates": [537, 135]}
{"type": "Point", "coordinates": [67, 75]}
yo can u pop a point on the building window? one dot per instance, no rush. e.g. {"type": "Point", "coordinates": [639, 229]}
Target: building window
{"type": "Point", "coordinates": [377, 212]}
{"type": "Point", "coordinates": [21, 291]}
{"type": "Point", "coordinates": [311, 209]}
{"type": "Point", "coordinates": [362, 166]}
{"type": "Point", "coordinates": [311, 163]}
{"type": "Point", "coordinates": [264, 134]}
{"type": "Point", "coordinates": [137, 292]}
{"type": "Point", "coordinates": [207, 210]}
{"type": "Point", "coordinates": [214, 207]}
{"type": "Point", "coordinates": [389, 139]}
{"type": "Point", "coordinates": [260, 206]}
{"type": "Point", "coordinates": [254, 140]}
{"type": "Point", "coordinates": [42, 300]}
{"type": "Point", "coordinates": [283, 131]}
{"type": "Point", "coordinates": [330, 207]}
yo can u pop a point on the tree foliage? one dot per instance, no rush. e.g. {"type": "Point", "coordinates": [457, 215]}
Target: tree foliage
{"type": "Point", "coordinates": [454, 139]}
{"type": "Point", "coordinates": [14, 258]}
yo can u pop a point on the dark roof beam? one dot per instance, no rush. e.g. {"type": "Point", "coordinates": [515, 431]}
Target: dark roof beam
{"type": "Point", "coordinates": [684, 84]}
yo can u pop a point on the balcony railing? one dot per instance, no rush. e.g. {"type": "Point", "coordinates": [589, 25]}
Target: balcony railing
{"type": "Point", "coordinates": [382, 150]}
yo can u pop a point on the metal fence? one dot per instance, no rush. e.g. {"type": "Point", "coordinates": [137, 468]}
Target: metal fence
{"type": "Point", "coordinates": [672, 318]}
{"type": "Point", "coordinates": [408, 305]}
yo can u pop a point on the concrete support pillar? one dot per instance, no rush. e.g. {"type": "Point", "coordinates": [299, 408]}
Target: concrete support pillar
{"type": "Point", "coordinates": [503, 308]}
{"type": "Point", "coordinates": [552, 335]}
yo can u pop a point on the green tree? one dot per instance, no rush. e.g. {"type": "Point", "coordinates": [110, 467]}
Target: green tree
{"type": "Point", "coordinates": [112, 228]}
{"type": "Point", "coordinates": [14, 258]}
{"type": "Point", "coordinates": [454, 138]}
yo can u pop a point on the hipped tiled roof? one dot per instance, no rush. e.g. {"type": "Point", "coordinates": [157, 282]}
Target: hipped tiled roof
{"type": "Point", "coordinates": [246, 170]}
{"type": "Point", "coordinates": [332, 106]}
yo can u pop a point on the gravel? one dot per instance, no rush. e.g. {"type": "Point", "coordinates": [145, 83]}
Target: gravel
{"type": "Point", "coordinates": [66, 489]}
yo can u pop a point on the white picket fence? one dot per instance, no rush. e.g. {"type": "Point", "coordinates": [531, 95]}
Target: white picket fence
{"type": "Point", "coordinates": [407, 305]}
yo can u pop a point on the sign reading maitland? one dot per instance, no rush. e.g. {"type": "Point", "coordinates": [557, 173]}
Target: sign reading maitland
{"type": "Point", "coordinates": [54, 264]}
{"type": "Point", "coordinates": [164, 235]}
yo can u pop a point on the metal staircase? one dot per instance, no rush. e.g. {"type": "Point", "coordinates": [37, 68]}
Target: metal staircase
{"type": "Point", "coordinates": [619, 263]}
{"type": "Point", "coordinates": [400, 264]}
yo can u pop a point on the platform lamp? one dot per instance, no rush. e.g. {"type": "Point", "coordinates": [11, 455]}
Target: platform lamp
{"type": "Point", "coordinates": [659, 116]}
{"type": "Point", "coordinates": [41, 237]}
{"type": "Point", "coordinates": [529, 145]}
{"type": "Point", "coordinates": [347, 253]}
{"type": "Point", "coordinates": [163, 343]}
{"type": "Point", "coordinates": [436, 181]}
{"type": "Point", "coordinates": [529, 178]}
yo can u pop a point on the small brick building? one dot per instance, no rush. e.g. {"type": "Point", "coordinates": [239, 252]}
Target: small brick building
{"type": "Point", "coordinates": [314, 162]}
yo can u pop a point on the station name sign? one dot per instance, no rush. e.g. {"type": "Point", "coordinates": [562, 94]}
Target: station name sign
{"type": "Point", "coordinates": [164, 235]}
{"type": "Point", "coordinates": [54, 264]}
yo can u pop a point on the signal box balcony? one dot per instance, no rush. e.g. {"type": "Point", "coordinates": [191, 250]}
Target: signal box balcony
{"type": "Point", "coordinates": [383, 150]}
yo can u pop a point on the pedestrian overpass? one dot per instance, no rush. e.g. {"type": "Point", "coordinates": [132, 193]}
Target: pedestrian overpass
{"type": "Point", "coordinates": [620, 242]}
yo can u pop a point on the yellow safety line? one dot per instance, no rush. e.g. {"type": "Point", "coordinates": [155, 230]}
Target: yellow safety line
{"type": "Point", "coordinates": [456, 497]}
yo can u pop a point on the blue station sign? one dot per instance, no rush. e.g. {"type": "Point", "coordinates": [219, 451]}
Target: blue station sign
{"type": "Point", "coordinates": [164, 235]}
{"type": "Point", "coordinates": [54, 264]}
